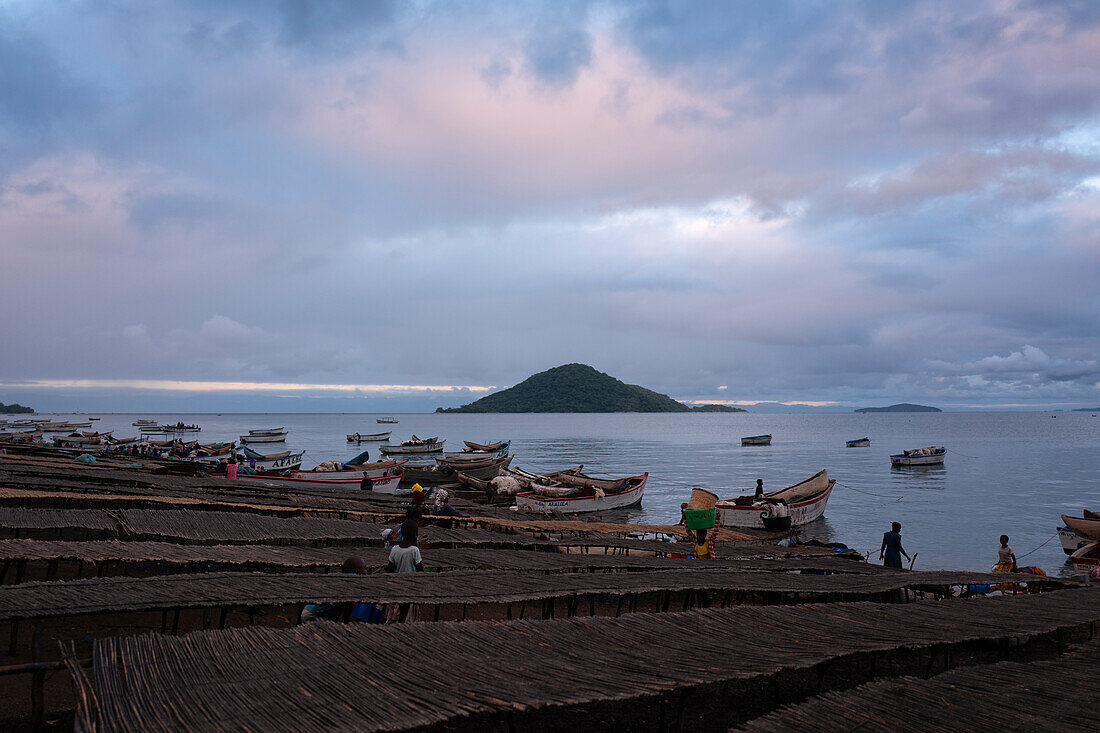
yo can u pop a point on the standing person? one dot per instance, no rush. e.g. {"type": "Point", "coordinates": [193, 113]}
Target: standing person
{"type": "Point", "coordinates": [891, 547]}
{"type": "Point", "coordinates": [404, 558]}
{"type": "Point", "coordinates": [1006, 558]}
{"type": "Point", "coordinates": [759, 489]}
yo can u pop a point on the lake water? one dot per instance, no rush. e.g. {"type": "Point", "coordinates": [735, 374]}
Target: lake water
{"type": "Point", "coordinates": [1005, 473]}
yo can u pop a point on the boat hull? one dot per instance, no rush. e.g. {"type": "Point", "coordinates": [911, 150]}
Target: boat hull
{"type": "Point", "coordinates": [1086, 560]}
{"type": "Point", "coordinates": [360, 438]}
{"type": "Point", "coordinates": [1071, 543]}
{"type": "Point", "coordinates": [861, 443]}
{"type": "Point", "coordinates": [529, 501]}
{"type": "Point", "coordinates": [1083, 527]}
{"type": "Point", "coordinates": [263, 438]}
{"type": "Point", "coordinates": [904, 460]}
{"type": "Point", "coordinates": [757, 440]}
{"type": "Point", "coordinates": [752, 515]}
{"type": "Point", "coordinates": [379, 484]}
{"type": "Point", "coordinates": [413, 449]}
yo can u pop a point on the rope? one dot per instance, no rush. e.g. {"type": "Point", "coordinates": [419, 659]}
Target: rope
{"type": "Point", "coordinates": [1028, 553]}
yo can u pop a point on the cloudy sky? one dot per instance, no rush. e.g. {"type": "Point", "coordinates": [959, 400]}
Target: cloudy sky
{"type": "Point", "coordinates": [343, 205]}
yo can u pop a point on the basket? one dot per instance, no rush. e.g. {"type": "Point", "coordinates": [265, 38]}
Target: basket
{"type": "Point", "coordinates": [702, 499]}
{"type": "Point", "coordinates": [699, 518]}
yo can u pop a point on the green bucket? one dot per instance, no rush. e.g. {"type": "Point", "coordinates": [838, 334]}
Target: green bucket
{"type": "Point", "coordinates": [699, 518]}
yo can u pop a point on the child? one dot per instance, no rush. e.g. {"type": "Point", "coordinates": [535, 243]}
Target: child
{"type": "Point", "coordinates": [405, 557]}
{"type": "Point", "coordinates": [1006, 558]}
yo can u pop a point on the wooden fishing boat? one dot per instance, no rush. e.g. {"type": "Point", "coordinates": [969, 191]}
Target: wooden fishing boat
{"type": "Point", "coordinates": [487, 447]}
{"type": "Point", "coordinates": [56, 427]}
{"type": "Point", "coordinates": [274, 438]}
{"type": "Point", "coordinates": [94, 434]}
{"type": "Point", "coordinates": [285, 461]}
{"type": "Point", "coordinates": [757, 440]}
{"type": "Point", "coordinates": [445, 472]}
{"type": "Point", "coordinates": [269, 431]}
{"type": "Point", "coordinates": [348, 471]}
{"type": "Point", "coordinates": [179, 428]}
{"type": "Point", "coordinates": [470, 455]}
{"type": "Point", "coordinates": [858, 443]}
{"type": "Point", "coordinates": [794, 506]}
{"type": "Point", "coordinates": [368, 437]}
{"type": "Point", "coordinates": [930, 456]}
{"type": "Point", "coordinates": [414, 446]}
{"type": "Point", "coordinates": [387, 420]}
{"type": "Point", "coordinates": [1087, 527]}
{"type": "Point", "coordinates": [380, 484]}
{"type": "Point", "coordinates": [1086, 560]}
{"type": "Point", "coordinates": [573, 492]}
{"type": "Point", "coordinates": [143, 423]}
{"type": "Point", "coordinates": [86, 424]}
{"type": "Point", "coordinates": [1070, 540]}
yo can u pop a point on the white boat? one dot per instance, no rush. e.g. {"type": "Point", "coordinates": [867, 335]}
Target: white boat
{"type": "Point", "coordinates": [930, 456]}
{"type": "Point", "coordinates": [1071, 541]}
{"type": "Point", "coordinates": [387, 420]}
{"type": "Point", "coordinates": [380, 484]}
{"type": "Point", "coordinates": [367, 437]}
{"type": "Point", "coordinates": [757, 440]}
{"type": "Point", "coordinates": [587, 494]}
{"type": "Point", "coordinates": [1086, 560]}
{"type": "Point", "coordinates": [794, 506]}
{"type": "Point", "coordinates": [273, 438]}
{"type": "Point", "coordinates": [416, 445]}
{"type": "Point", "coordinates": [285, 461]}
{"type": "Point", "coordinates": [144, 423]}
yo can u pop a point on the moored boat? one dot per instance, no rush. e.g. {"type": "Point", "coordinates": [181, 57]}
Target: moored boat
{"type": "Point", "coordinates": [381, 484]}
{"type": "Point", "coordinates": [1071, 542]}
{"type": "Point", "coordinates": [573, 492]}
{"type": "Point", "coordinates": [444, 472]}
{"type": "Point", "coordinates": [757, 440]}
{"type": "Point", "coordinates": [285, 461]}
{"type": "Point", "coordinates": [858, 443]}
{"type": "Point", "coordinates": [1086, 560]}
{"type": "Point", "coordinates": [367, 437]}
{"type": "Point", "coordinates": [387, 420]}
{"type": "Point", "coordinates": [1087, 527]}
{"type": "Point", "coordinates": [143, 423]}
{"type": "Point", "coordinates": [272, 438]}
{"type": "Point", "coordinates": [268, 431]}
{"type": "Point", "coordinates": [930, 456]}
{"type": "Point", "coordinates": [486, 447]}
{"type": "Point", "coordinates": [416, 445]}
{"type": "Point", "coordinates": [794, 506]}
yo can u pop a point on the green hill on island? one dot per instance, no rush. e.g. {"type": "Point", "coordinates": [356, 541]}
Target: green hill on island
{"type": "Point", "coordinates": [573, 388]}
{"type": "Point", "coordinates": [15, 409]}
{"type": "Point", "coordinates": [716, 408]}
{"type": "Point", "coordinates": [903, 407]}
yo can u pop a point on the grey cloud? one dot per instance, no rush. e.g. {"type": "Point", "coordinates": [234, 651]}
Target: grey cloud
{"type": "Point", "coordinates": [558, 47]}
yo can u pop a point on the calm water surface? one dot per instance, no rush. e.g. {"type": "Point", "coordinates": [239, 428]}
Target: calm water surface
{"type": "Point", "coordinates": [1011, 473]}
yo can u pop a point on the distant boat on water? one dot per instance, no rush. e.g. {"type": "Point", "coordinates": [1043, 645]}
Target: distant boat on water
{"type": "Point", "coordinates": [930, 456]}
{"type": "Point", "coordinates": [757, 440]}
{"type": "Point", "coordinates": [367, 437]}
{"type": "Point", "coordinates": [858, 443]}
{"type": "Point", "coordinates": [387, 420]}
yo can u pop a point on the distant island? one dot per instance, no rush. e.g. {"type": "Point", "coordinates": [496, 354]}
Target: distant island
{"type": "Point", "coordinates": [15, 409]}
{"type": "Point", "coordinates": [1086, 409]}
{"type": "Point", "coordinates": [573, 388]}
{"type": "Point", "coordinates": [903, 407]}
{"type": "Point", "coordinates": [716, 408]}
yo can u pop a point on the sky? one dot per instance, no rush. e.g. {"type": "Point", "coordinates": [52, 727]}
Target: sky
{"type": "Point", "coordinates": [392, 206]}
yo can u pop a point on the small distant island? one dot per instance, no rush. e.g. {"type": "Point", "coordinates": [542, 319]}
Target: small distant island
{"type": "Point", "coordinates": [903, 407]}
{"type": "Point", "coordinates": [716, 408]}
{"type": "Point", "coordinates": [573, 388]}
{"type": "Point", "coordinates": [15, 409]}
